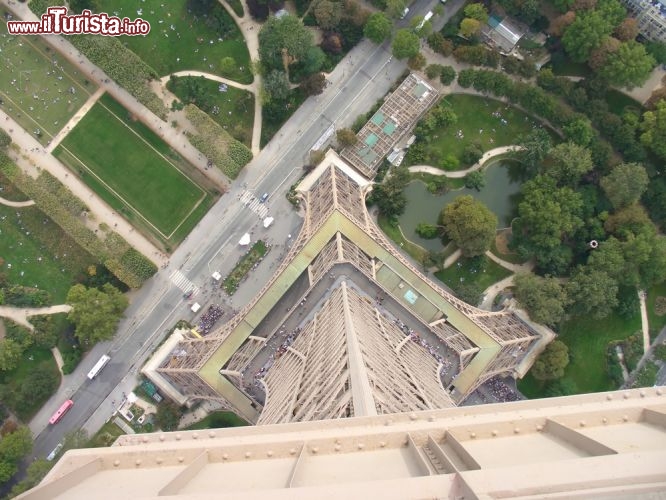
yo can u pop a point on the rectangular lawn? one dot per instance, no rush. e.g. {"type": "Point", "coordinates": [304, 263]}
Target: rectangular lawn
{"type": "Point", "coordinates": [39, 88]}
{"type": "Point", "coordinates": [127, 166]}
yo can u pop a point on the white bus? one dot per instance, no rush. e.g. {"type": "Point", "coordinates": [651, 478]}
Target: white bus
{"type": "Point", "coordinates": [98, 366]}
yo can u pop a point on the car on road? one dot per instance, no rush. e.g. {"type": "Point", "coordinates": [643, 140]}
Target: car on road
{"type": "Point", "coordinates": [404, 13]}
{"type": "Point", "coordinates": [54, 453]}
{"type": "Point", "coordinates": [263, 198]}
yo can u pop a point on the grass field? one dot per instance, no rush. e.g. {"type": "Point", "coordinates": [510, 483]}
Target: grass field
{"type": "Point", "coordinates": [393, 232]}
{"type": "Point", "coordinates": [32, 358]}
{"type": "Point", "coordinates": [232, 109]}
{"type": "Point", "coordinates": [477, 124]}
{"type": "Point", "coordinates": [179, 40]}
{"type": "Point", "coordinates": [587, 339]}
{"type": "Point", "coordinates": [618, 101]}
{"type": "Point", "coordinates": [35, 252]}
{"type": "Point", "coordinates": [38, 88]}
{"type": "Point", "coordinates": [482, 271]}
{"type": "Point", "coordinates": [218, 420]}
{"type": "Point", "coordinates": [133, 170]}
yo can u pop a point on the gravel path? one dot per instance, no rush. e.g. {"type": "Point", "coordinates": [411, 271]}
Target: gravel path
{"type": "Point", "coordinates": [20, 315]}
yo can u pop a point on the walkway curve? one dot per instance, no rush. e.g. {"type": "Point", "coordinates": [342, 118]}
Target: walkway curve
{"type": "Point", "coordinates": [16, 204]}
{"type": "Point", "coordinates": [516, 268]}
{"type": "Point", "coordinates": [20, 315]}
{"type": "Point", "coordinates": [491, 292]}
{"type": "Point", "coordinates": [487, 156]}
{"type": "Point", "coordinates": [209, 76]}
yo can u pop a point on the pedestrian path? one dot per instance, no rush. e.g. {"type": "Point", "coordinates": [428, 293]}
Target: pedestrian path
{"type": "Point", "coordinates": [250, 200]}
{"type": "Point", "coordinates": [16, 204]}
{"type": "Point", "coordinates": [183, 282]}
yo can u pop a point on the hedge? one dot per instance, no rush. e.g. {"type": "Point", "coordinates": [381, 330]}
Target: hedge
{"type": "Point", "coordinates": [120, 258]}
{"type": "Point", "coordinates": [228, 154]}
{"type": "Point", "coordinates": [123, 66]}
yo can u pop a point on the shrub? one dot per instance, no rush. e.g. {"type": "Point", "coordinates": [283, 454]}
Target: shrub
{"type": "Point", "coordinates": [447, 75]}
{"type": "Point", "coordinates": [475, 180]}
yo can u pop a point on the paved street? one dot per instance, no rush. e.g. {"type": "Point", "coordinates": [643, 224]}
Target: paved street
{"type": "Point", "coordinates": [364, 76]}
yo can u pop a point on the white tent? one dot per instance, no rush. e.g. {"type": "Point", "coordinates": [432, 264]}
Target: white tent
{"type": "Point", "coordinates": [268, 221]}
{"type": "Point", "coordinates": [217, 276]}
{"type": "Point", "coordinates": [245, 240]}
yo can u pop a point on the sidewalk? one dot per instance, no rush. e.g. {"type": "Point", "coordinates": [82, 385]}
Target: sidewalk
{"type": "Point", "coordinates": [458, 174]}
{"type": "Point", "coordinates": [20, 315]}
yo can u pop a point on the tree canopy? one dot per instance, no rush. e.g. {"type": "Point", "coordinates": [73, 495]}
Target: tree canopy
{"type": "Point", "coordinates": [13, 447]}
{"type": "Point", "coordinates": [389, 195]}
{"type": "Point", "coordinates": [476, 11]}
{"type": "Point", "coordinates": [544, 298]}
{"type": "Point", "coordinates": [654, 129]}
{"type": "Point", "coordinates": [628, 66]}
{"type": "Point", "coordinates": [569, 163]}
{"type": "Point", "coordinates": [625, 184]}
{"type": "Point", "coordinates": [551, 363]}
{"type": "Point", "coordinates": [276, 85]}
{"type": "Point", "coordinates": [95, 312]}
{"type": "Point", "coordinates": [592, 292]}
{"type": "Point", "coordinates": [378, 27]}
{"type": "Point", "coordinates": [283, 41]}
{"type": "Point", "coordinates": [406, 44]}
{"type": "Point", "coordinates": [585, 34]}
{"type": "Point", "coordinates": [470, 224]}
{"type": "Point", "coordinates": [469, 27]}
{"type": "Point", "coordinates": [10, 354]}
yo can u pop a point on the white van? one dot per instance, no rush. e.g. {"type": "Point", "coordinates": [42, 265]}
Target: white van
{"type": "Point", "coordinates": [404, 13]}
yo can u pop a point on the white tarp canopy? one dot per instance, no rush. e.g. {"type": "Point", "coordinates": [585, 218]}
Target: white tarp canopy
{"type": "Point", "coordinates": [217, 276]}
{"type": "Point", "coordinates": [245, 240]}
{"type": "Point", "coordinates": [195, 307]}
{"type": "Point", "coordinates": [268, 221]}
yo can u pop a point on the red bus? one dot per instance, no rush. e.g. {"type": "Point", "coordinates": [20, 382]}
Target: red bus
{"type": "Point", "coordinates": [64, 408]}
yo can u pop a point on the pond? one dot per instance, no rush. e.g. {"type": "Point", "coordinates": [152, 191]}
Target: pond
{"type": "Point", "coordinates": [502, 184]}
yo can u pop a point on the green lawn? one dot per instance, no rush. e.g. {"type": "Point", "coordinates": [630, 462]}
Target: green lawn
{"type": "Point", "coordinates": [481, 270]}
{"type": "Point", "coordinates": [35, 252]}
{"type": "Point", "coordinates": [655, 321]}
{"type": "Point", "coordinates": [563, 66]}
{"type": "Point", "coordinates": [130, 168]}
{"type": "Point", "coordinates": [180, 40]}
{"type": "Point", "coordinates": [618, 101]}
{"type": "Point", "coordinates": [38, 88]}
{"type": "Point", "coordinates": [32, 358]}
{"type": "Point", "coordinates": [393, 232]}
{"type": "Point", "coordinates": [477, 124]}
{"type": "Point", "coordinates": [106, 435]}
{"type": "Point", "coordinates": [587, 339]}
{"type": "Point", "coordinates": [233, 109]}
{"type": "Point", "coordinates": [218, 420]}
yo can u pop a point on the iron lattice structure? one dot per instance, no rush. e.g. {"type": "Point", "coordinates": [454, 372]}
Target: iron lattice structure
{"type": "Point", "coordinates": [349, 360]}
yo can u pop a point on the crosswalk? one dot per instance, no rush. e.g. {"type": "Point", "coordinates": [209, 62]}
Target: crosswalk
{"type": "Point", "coordinates": [250, 200]}
{"type": "Point", "coordinates": [182, 282]}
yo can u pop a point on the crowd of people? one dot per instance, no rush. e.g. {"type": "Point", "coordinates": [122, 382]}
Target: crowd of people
{"type": "Point", "coordinates": [434, 351]}
{"type": "Point", "coordinates": [501, 391]}
{"type": "Point", "coordinates": [209, 318]}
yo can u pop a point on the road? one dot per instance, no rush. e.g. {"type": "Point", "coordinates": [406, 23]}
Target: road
{"type": "Point", "coordinates": [364, 76]}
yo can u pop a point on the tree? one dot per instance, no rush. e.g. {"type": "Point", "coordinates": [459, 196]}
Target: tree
{"type": "Point", "coordinates": [448, 75]}
{"type": "Point", "coordinates": [389, 195]}
{"type": "Point", "coordinates": [38, 385]}
{"type": "Point", "coordinates": [629, 66]}
{"type": "Point", "coordinates": [551, 362]}
{"type": "Point", "coordinates": [276, 85]}
{"type": "Point", "coordinates": [283, 41]}
{"type": "Point", "coordinates": [469, 27]}
{"type": "Point", "coordinates": [427, 231]}
{"type": "Point", "coordinates": [569, 163]}
{"type": "Point", "coordinates": [395, 8]}
{"type": "Point", "coordinates": [416, 62]}
{"type": "Point", "coordinates": [585, 34]}
{"type": "Point", "coordinates": [313, 84]}
{"type": "Point", "coordinates": [168, 415]}
{"type": "Point", "coordinates": [654, 129]}
{"type": "Point", "coordinates": [561, 23]}
{"type": "Point", "coordinates": [544, 298]}
{"type": "Point", "coordinates": [328, 13]}
{"type": "Point", "coordinates": [579, 131]}
{"type": "Point", "coordinates": [605, 50]}
{"type": "Point", "coordinates": [378, 27]}
{"type": "Point", "coordinates": [14, 446]}
{"type": "Point", "coordinates": [476, 11]}
{"type": "Point", "coordinates": [592, 292]}
{"type": "Point", "coordinates": [548, 215]}
{"type": "Point", "coordinates": [630, 219]}
{"type": "Point", "coordinates": [313, 61]}
{"type": "Point", "coordinates": [625, 184]}
{"type": "Point", "coordinates": [469, 224]}
{"type": "Point", "coordinates": [95, 313]}
{"type": "Point", "coordinates": [34, 474]}
{"type": "Point", "coordinates": [10, 354]}
{"type": "Point", "coordinates": [627, 30]}
{"type": "Point", "coordinates": [536, 146]}
{"type": "Point", "coordinates": [433, 71]}
{"type": "Point", "coordinates": [405, 44]}
{"type": "Point", "coordinates": [475, 180]}
{"type": "Point", "coordinates": [346, 137]}
{"type": "Point", "coordinates": [472, 153]}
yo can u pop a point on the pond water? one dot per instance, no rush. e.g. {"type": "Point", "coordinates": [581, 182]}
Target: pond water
{"type": "Point", "coordinates": [499, 195]}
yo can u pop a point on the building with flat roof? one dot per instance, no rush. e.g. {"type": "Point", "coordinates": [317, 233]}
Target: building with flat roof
{"type": "Point", "coordinates": [650, 16]}
{"type": "Point", "coordinates": [346, 326]}
{"type": "Point", "coordinates": [607, 445]}
{"type": "Point", "coordinates": [503, 33]}
{"type": "Point", "coordinates": [396, 116]}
